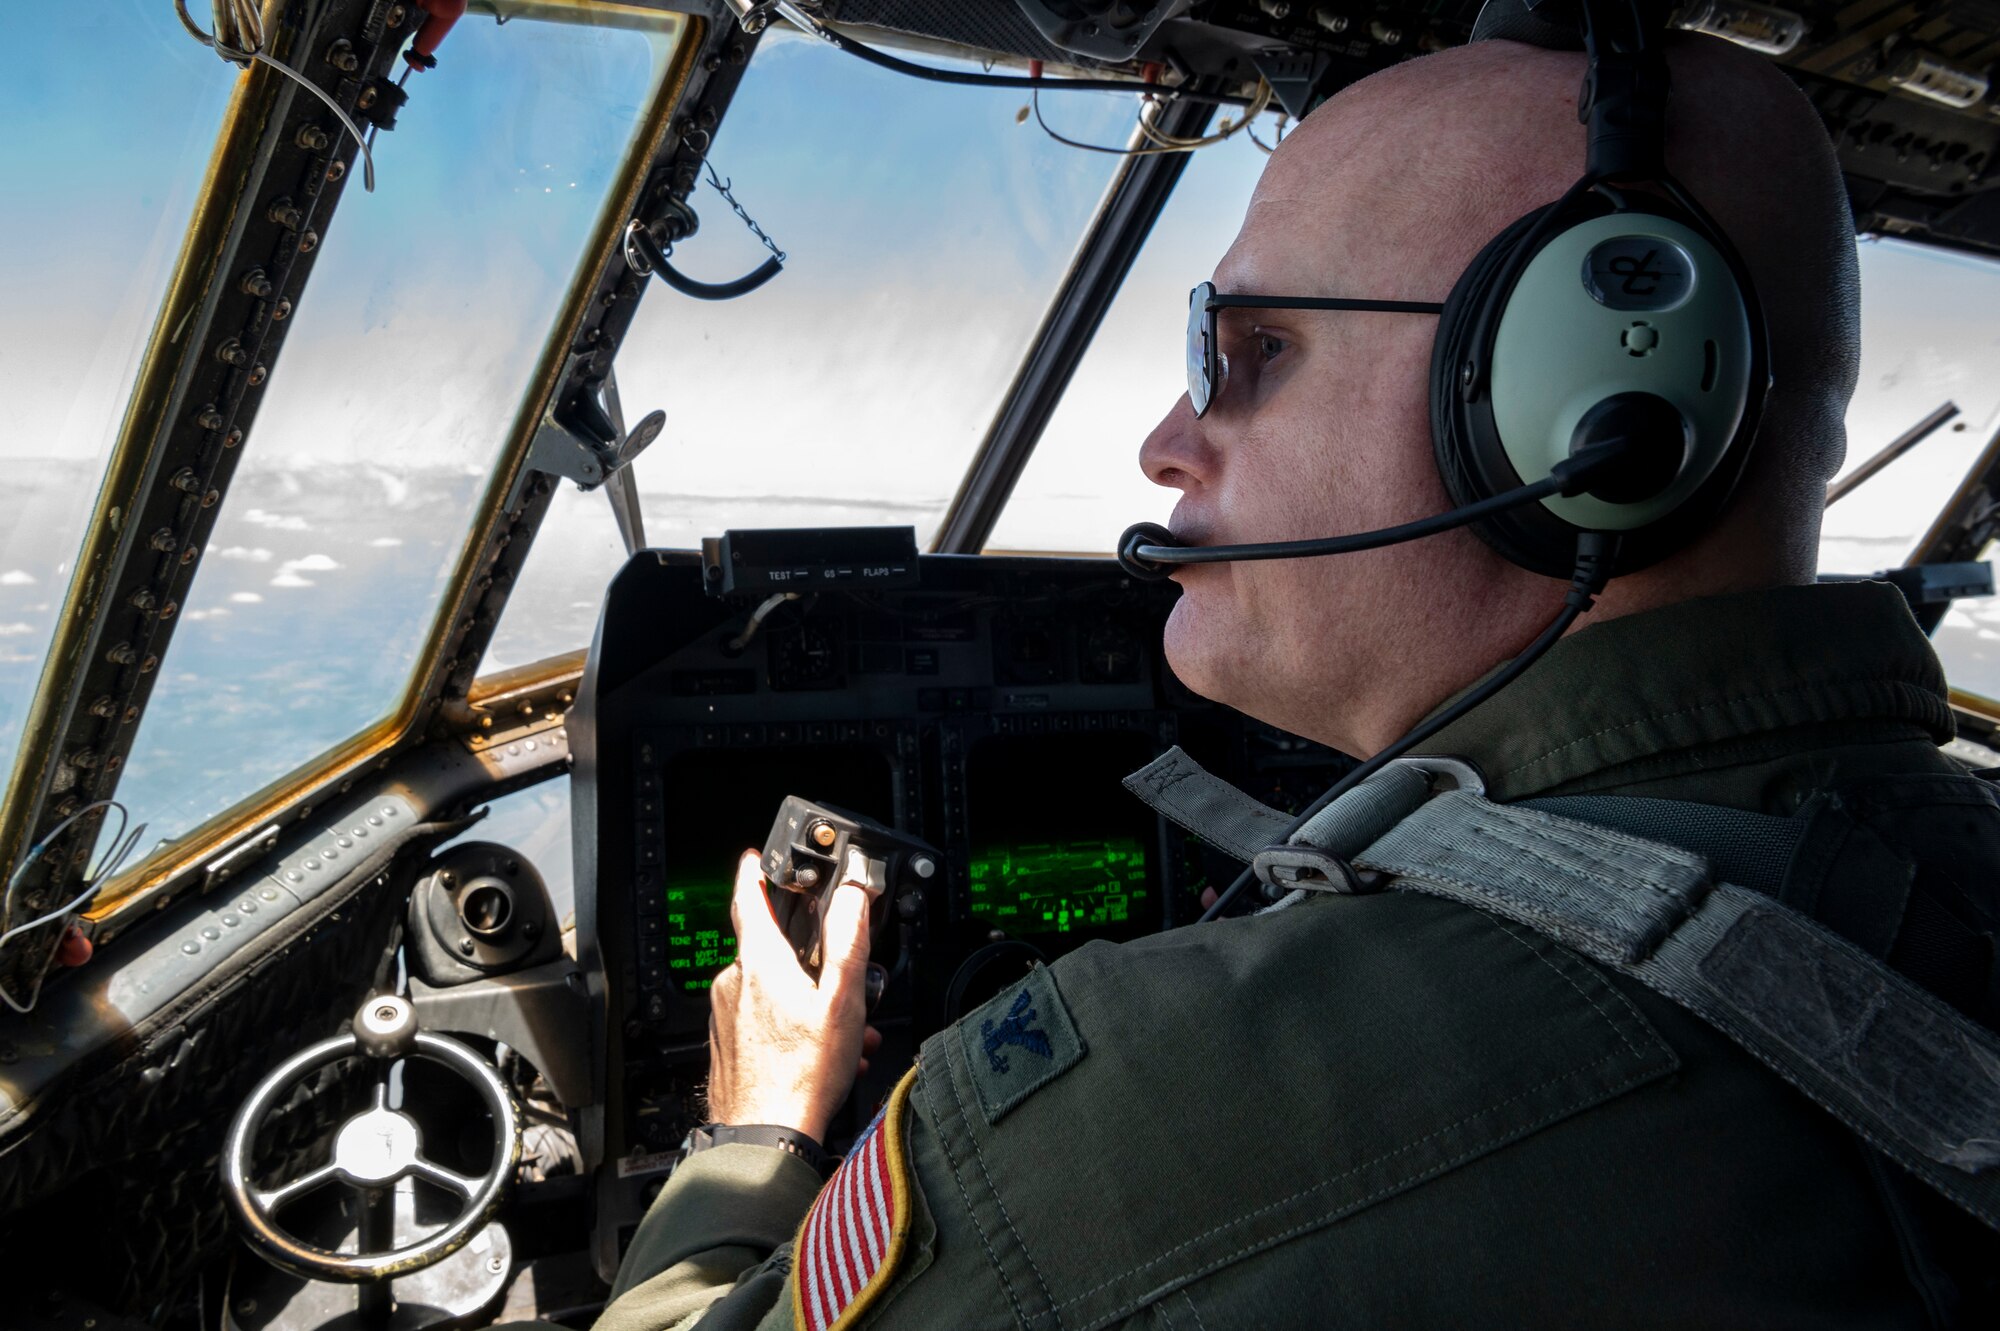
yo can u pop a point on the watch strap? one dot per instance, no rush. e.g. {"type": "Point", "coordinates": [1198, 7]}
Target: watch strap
{"type": "Point", "coordinates": [789, 1140]}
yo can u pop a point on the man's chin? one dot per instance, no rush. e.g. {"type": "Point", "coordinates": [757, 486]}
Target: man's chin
{"type": "Point", "coordinates": [1193, 650]}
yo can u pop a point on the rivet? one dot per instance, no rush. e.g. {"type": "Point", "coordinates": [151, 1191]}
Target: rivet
{"type": "Point", "coordinates": [394, 18]}
{"type": "Point", "coordinates": [256, 284]}
{"type": "Point", "coordinates": [211, 933]}
{"type": "Point", "coordinates": [388, 811]}
{"type": "Point", "coordinates": [258, 374]}
{"type": "Point", "coordinates": [247, 906]}
{"type": "Point", "coordinates": [366, 99]}
{"type": "Point", "coordinates": [308, 242]}
{"type": "Point", "coordinates": [187, 556]}
{"type": "Point", "coordinates": [144, 600]}
{"type": "Point", "coordinates": [312, 863]}
{"type": "Point", "coordinates": [211, 499]}
{"type": "Point", "coordinates": [230, 921]}
{"type": "Point", "coordinates": [375, 819]}
{"type": "Point", "coordinates": [334, 171]}
{"type": "Point", "coordinates": [208, 418]}
{"type": "Point", "coordinates": [344, 842]}
{"type": "Point", "coordinates": [112, 764]}
{"type": "Point", "coordinates": [281, 311]}
{"type": "Point", "coordinates": [170, 609]}
{"type": "Point", "coordinates": [312, 138]}
{"type": "Point", "coordinates": [149, 665]}
{"type": "Point", "coordinates": [122, 654]}
{"type": "Point", "coordinates": [232, 439]}
{"type": "Point", "coordinates": [131, 715]}
{"type": "Point", "coordinates": [231, 352]}
{"type": "Point", "coordinates": [105, 707]}
{"type": "Point", "coordinates": [190, 947]}
{"type": "Point", "coordinates": [270, 894]}
{"type": "Point", "coordinates": [84, 758]}
{"type": "Point", "coordinates": [330, 853]}
{"type": "Point", "coordinates": [359, 831]}
{"type": "Point", "coordinates": [165, 541]}
{"type": "Point", "coordinates": [286, 214]}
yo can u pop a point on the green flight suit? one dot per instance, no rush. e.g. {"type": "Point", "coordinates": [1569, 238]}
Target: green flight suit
{"type": "Point", "coordinates": [1390, 1110]}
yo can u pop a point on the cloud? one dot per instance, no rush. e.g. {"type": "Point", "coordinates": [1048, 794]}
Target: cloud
{"type": "Point", "coordinates": [288, 572]}
{"type": "Point", "coordinates": [15, 629]}
{"type": "Point", "coordinates": [254, 554]}
{"type": "Point", "coordinates": [219, 612]}
{"type": "Point", "coordinates": [386, 542]}
{"type": "Point", "coordinates": [276, 521]}
{"type": "Point", "coordinates": [17, 577]}
{"type": "Point", "coordinates": [246, 598]}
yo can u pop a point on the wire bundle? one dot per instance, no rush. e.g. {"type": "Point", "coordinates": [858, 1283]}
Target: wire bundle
{"type": "Point", "coordinates": [239, 38]}
{"type": "Point", "coordinates": [122, 843]}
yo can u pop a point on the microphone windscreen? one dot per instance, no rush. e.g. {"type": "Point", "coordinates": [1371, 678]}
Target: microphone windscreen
{"type": "Point", "coordinates": [1136, 535]}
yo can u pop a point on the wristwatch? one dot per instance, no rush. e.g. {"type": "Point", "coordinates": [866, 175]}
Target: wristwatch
{"type": "Point", "coordinates": [758, 1134]}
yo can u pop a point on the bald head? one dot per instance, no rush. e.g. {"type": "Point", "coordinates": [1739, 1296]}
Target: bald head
{"type": "Point", "coordinates": [1388, 191]}
{"type": "Point", "coordinates": [1450, 149]}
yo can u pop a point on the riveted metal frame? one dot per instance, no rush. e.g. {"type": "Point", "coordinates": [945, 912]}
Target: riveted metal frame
{"type": "Point", "coordinates": [280, 164]}
{"type": "Point", "coordinates": [662, 162]}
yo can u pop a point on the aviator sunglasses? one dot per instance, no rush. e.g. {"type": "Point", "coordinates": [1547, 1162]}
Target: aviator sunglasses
{"type": "Point", "coordinates": [1208, 367]}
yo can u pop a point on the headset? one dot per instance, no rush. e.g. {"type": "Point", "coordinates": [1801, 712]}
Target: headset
{"type": "Point", "coordinates": [1600, 366]}
{"type": "Point", "coordinates": [1598, 372]}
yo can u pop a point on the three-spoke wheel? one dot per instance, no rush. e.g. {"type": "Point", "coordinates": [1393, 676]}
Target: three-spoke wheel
{"type": "Point", "coordinates": [374, 1150]}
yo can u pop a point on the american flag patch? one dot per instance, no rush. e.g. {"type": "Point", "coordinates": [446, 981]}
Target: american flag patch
{"type": "Point", "coordinates": [852, 1240]}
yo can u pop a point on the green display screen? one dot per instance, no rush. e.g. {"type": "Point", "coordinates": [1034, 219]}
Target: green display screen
{"type": "Point", "coordinates": [701, 940]}
{"type": "Point", "coordinates": [1059, 886]}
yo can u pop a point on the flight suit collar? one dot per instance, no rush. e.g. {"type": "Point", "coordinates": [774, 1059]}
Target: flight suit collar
{"type": "Point", "coordinates": [1704, 683]}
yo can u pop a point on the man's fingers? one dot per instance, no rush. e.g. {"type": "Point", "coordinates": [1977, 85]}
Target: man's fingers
{"type": "Point", "coordinates": [846, 945]}
{"type": "Point", "coordinates": [757, 934]}
{"type": "Point", "coordinates": [871, 1040]}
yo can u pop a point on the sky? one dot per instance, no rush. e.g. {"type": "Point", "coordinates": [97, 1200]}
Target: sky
{"type": "Point", "coordinates": [926, 229]}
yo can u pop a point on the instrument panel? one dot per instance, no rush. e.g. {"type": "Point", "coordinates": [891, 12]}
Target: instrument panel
{"type": "Point", "coordinates": [988, 706]}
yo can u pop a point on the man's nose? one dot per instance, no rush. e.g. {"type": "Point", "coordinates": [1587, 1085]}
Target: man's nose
{"type": "Point", "coordinates": [1178, 454]}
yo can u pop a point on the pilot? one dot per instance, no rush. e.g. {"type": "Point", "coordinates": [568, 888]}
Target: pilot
{"type": "Point", "coordinates": [1389, 1109]}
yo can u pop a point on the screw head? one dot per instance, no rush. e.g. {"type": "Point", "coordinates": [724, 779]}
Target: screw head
{"type": "Point", "coordinates": [465, 946]}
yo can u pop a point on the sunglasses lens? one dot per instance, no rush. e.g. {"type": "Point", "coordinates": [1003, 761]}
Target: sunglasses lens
{"type": "Point", "coordinates": [1201, 353]}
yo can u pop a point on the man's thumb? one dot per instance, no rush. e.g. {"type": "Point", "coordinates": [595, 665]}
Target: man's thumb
{"type": "Point", "coordinates": [846, 937]}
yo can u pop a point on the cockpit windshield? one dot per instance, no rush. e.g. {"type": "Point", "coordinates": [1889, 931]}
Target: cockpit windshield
{"type": "Point", "coordinates": [348, 512]}
{"type": "Point", "coordinates": [925, 229]}
{"type": "Point", "coordinates": [82, 273]}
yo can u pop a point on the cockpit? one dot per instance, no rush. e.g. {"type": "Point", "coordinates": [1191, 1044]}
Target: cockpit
{"type": "Point", "coordinates": [471, 463]}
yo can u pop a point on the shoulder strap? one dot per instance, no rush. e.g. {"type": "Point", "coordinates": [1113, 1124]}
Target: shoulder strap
{"type": "Point", "coordinates": [1916, 1079]}
{"type": "Point", "coordinates": [1752, 850]}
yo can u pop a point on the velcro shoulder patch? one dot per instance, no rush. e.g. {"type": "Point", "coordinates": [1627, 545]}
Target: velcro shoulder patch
{"type": "Point", "coordinates": [856, 1234]}
{"type": "Point", "coordinates": [1019, 1042]}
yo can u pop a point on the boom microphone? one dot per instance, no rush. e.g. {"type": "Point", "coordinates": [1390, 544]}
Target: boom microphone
{"type": "Point", "coordinates": [1149, 552]}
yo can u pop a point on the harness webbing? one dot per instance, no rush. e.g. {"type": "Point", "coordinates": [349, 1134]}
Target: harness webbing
{"type": "Point", "coordinates": [1912, 1076]}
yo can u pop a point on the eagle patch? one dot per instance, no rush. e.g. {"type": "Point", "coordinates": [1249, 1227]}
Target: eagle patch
{"type": "Point", "coordinates": [852, 1240]}
{"type": "Point", "coordinates": [1019, 1042]}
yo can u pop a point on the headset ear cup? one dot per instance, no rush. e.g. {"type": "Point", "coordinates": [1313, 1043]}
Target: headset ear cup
{"type": "Point", "coordinates": [1472, 458]}
{"type": "Point", "coordinates": [1464, 440]}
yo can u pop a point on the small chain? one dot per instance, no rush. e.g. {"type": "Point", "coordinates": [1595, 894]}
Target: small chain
{"type": "Point", "coordinates": [722, 188]}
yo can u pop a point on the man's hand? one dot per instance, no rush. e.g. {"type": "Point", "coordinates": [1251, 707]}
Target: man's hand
{"type": "Point", "coordinates": [783, 1050]}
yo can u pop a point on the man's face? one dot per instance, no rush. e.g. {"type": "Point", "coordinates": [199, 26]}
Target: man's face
{"type": "Point", "coordinates": [1322, 428]}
